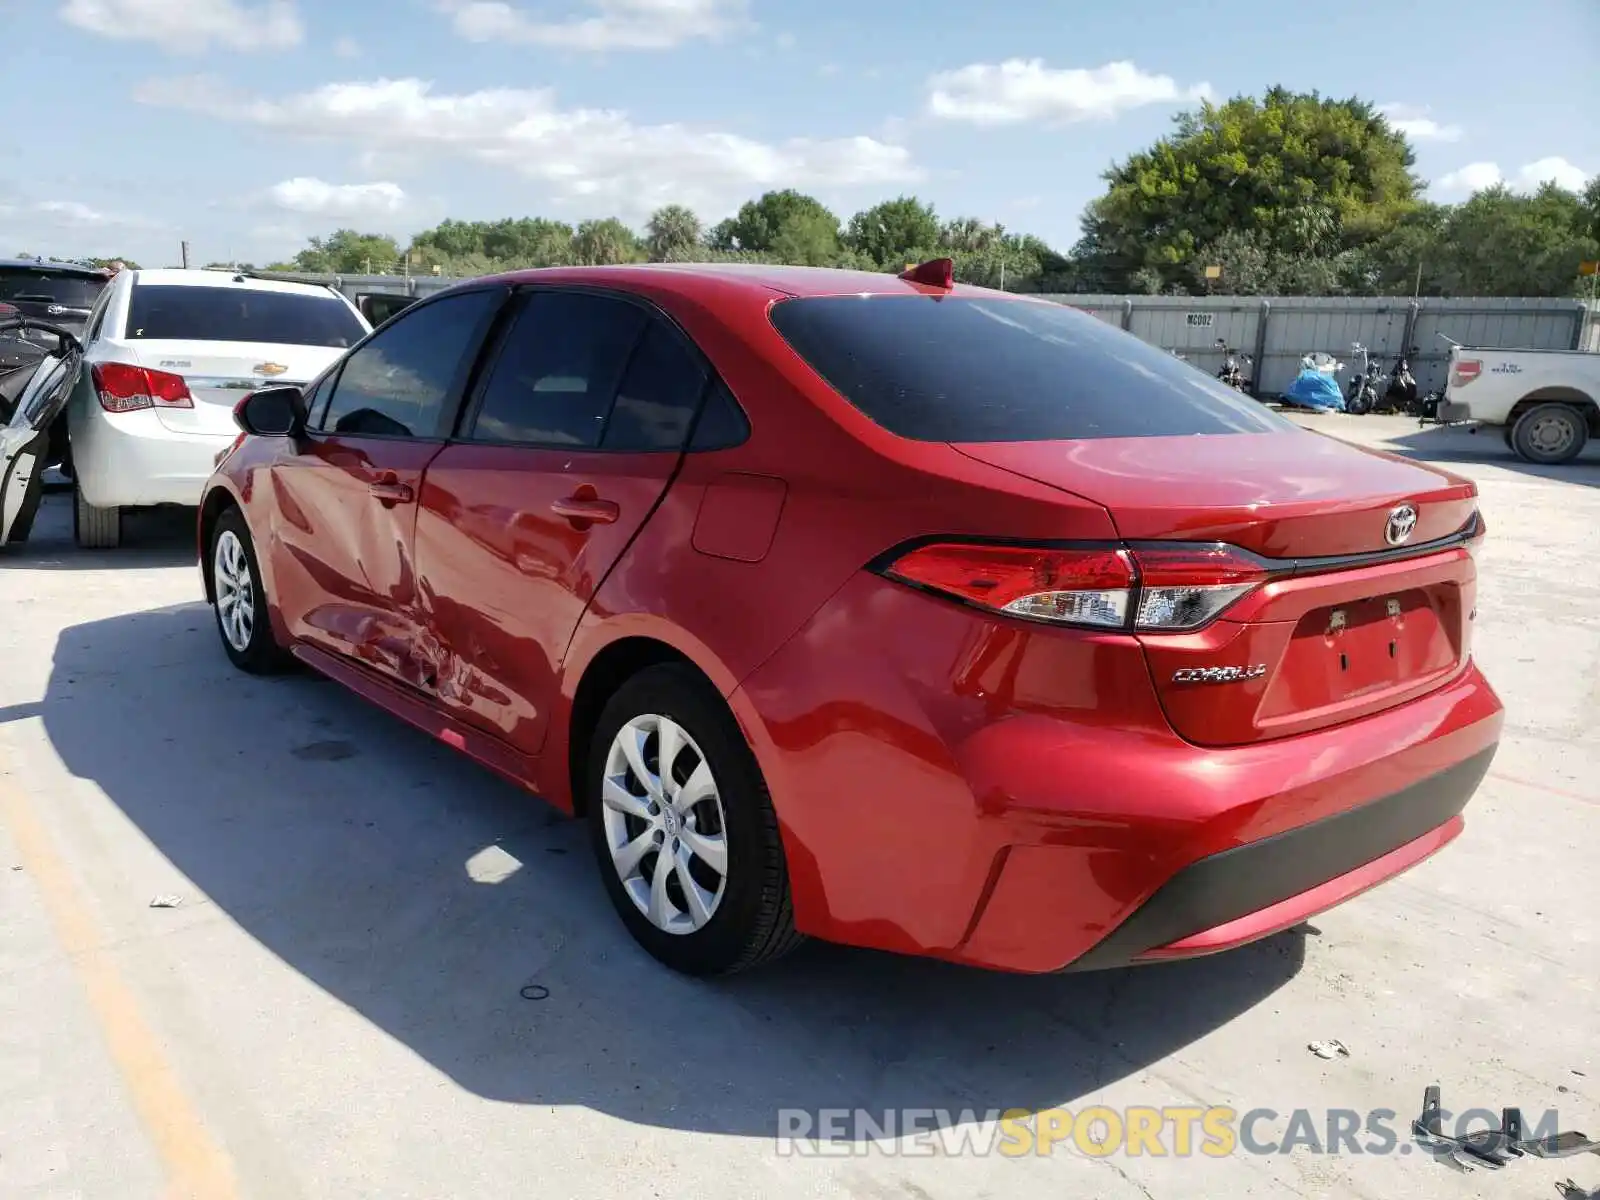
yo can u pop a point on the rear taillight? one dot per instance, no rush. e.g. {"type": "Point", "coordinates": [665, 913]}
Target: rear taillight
{"type": "Point", "coordinates": [8, 310]}
{"type": "Point", "coordinates": [1183, 587]}
{"type": "Point", "coordinates": [1169, 587]}
{"type": "Point", "coordinates": [1074, 587]}
{"type": "Point", "coordinates": [1465, 371]}
{"type": "Point", "coordinates": [124, 388]}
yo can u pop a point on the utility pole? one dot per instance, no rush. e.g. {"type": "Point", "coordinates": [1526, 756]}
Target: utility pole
{"type": "Point", "coordinates": [184, 251]}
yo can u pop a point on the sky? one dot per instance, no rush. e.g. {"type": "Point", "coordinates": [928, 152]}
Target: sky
{"type": "Point", "coordinates": [246, 126]}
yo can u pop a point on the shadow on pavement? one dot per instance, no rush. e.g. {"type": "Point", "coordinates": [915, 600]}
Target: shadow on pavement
{"type": "Point", "coordinates": [1488, 447]}
{"type": "Point", "coordinates": [151, 537]}
{"type": "Point", "coordinates": [424, 894]}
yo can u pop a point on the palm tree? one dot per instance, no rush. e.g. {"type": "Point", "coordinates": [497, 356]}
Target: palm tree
{"type": "Point", "coordinates": [672, 232]}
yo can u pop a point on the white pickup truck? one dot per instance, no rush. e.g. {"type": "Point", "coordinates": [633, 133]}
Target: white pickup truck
{"type": "Point", "coordinates": [1547, 401]}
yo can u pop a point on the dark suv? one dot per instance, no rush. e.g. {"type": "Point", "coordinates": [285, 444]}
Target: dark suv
{"type": "Point", "coordinates": [57, 292]}
{"type": "Point", "coordinates": [61, 293]}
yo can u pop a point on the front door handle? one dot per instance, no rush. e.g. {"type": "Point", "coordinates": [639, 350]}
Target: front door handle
{"type": "Point", "coordinates": [585, 508]}
{"type": "Point", "coordinates": [387, 489]}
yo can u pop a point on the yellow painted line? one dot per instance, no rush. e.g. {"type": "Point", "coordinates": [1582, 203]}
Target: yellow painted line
{"type": "Point", "coordinates": [197, 1168]}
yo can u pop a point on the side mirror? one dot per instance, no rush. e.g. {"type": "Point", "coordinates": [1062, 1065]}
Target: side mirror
{"type": "Point", "coordinates": [278, 411]}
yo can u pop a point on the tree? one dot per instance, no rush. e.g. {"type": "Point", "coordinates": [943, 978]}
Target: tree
{"type": "Point", "coordinates": [346, 252]}
{"type": "Point", "coordinates": [1591, 209]}
{"type": "Point", "coordinates": [104, 263]}
{"type": "Point", "coordinates": [494, 245]}
{"type": "Point", "coordinates": [1499, 243]}
{"type": "Point", "coordinates": [1304, 174]}
{"type": "Point", "coordinates": [604, 243]}
{"type": "Point", "coordinates": [791, 226]}
{"type": "Point", "coordinates": [893, 233]}
{"type": "Point", "coordinates": [671, 233]}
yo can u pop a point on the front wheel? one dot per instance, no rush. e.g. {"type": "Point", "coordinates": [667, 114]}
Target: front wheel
{"type": "Point", "coordinates": [240, 602]}
{"type": "Point", "coordinates": [1549, 434]}
{"type": "Point", "coordinates": [683, 828]}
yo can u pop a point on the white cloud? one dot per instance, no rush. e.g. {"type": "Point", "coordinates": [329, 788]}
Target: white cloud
{"type": "Point", "coordinates": [1474, 177]}
{"type": "Point", "coordinates": [306, 195]}
{"type": "Point", "coordinates": [616, 25]}
{"type": "Point", "coordinates": [599, 158]}
{"type": "Point", "coordinates": [1417, 125]}
{"type": "Point", "coordinates": [347, 47]}
{"type": "Point", "coordinates": [191, 26]}
{"type": "Point", "coordinates": [1027, 90]}
{"type": "Point", "coordinates": [1554, 169]}
{"type": "Point", "coordinates": [71, 212]}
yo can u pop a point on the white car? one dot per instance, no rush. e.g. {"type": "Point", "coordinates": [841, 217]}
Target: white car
{"type": "Point", "coordinates": [166, 356]}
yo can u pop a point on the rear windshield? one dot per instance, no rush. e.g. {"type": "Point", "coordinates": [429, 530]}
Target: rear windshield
{"type": "Point", "coordinates": [973, 369]}
{"type": "Point", "coordinates": [223, 314]}
{"type": "Point", "coordinates": [67, 288]}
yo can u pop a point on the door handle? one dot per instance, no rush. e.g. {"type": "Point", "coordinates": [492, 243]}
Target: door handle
{"type": "Point", "coordinates": [388, 489]}
{"type": "Point", "coordinates": [585, 509]}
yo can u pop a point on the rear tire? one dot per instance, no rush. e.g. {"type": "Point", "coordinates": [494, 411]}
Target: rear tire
{"type": "Point", "coordinates": [688, 848]}
{"type": "Point", "coordinates": [240, 606]}
{"type": "Point", "coordinates": [94, 528]}
{"type": "Point", "coordinates": [1549, 434]}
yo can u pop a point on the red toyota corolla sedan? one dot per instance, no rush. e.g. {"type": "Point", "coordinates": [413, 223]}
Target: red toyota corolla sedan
{"type": "Point", "coordinates": [895, 613]}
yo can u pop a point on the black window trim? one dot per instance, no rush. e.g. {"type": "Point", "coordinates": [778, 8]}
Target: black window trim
{"type": "Point", "coordinates": [97, 314]}
{"type": "Point", "coordinates": [461, 385]}
{"type": "Point", "coordinates": [472, 403]}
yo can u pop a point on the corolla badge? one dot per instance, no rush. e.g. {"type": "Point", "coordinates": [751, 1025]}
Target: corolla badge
{"type": "Point", "coordinates": [1219, 674]}
{"type": "Point", "coordinates": [1401, 524]}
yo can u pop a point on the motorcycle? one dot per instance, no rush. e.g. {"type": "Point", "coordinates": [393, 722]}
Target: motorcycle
{"type": "Point", "coordinates": [1361, 397]}
{"type": "Point", "coordinates": [1232, 371]}
{"type": "Point", "coordinates": [1401, 394]}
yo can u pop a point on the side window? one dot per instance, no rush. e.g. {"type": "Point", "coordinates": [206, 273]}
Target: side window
{"type": "Point", "coordinates": [723, 424]}
{"type": "Point", "coordinates": [658, 397]}
{"type": "Point", "coordinates": [398, 383]}
{"type": "Point", "coordinates": [42, 389]}
{"type": "Point", "coordinates": [558, 370]}
{"type": "Point", "coordinates": [97, 316]}
{"type": "Point", "coordinates": [317, 399]}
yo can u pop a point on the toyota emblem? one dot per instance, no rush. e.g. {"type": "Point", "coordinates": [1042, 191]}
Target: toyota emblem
{"type": "Point", "coordinates": [55, 310]}
{"type": "Point", "coordinates": [1400, 526]}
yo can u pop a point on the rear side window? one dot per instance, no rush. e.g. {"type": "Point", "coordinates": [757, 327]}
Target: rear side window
{"type": "Point", "coordinates": [237, 314]}
{"type": "Point", "coordinates": [558, 370]}
{"type": "Point", "coordinates": [659, 394]}
{"type": "Point", "coordinates": [66, 288]}
{"type": "Point", "coordinates": [971, 369]}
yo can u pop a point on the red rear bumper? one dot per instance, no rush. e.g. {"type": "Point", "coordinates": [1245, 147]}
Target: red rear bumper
{"type": "Point", "coordinates": [941, 810]}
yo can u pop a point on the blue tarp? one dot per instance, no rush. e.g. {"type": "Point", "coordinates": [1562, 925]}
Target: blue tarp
{"type": "Point", "coordinates": [1315, 389]}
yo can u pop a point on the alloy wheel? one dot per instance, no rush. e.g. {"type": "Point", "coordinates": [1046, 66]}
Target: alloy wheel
{"type": "Point", "coordinates": [236, 592]}
{"type": "Point", "coordinates": [664, 824]}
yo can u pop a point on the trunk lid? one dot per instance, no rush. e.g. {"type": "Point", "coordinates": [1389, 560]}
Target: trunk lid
{"type": "Point", "coordinates": [220, 374]}
{"type": "Point", "coordinates": [1349, 618]}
